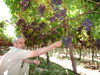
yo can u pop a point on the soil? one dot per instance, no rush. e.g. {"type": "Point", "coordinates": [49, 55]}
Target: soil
{"type": "Point", "coordinates": [66, 63]}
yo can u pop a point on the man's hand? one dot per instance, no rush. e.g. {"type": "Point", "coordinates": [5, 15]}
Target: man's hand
{"type": "Point", "coordinates": [32, 61]}
{"type": "Point", "coordinates": [36, 62]}
{"type": "Point", "coordinates": [57, 44]}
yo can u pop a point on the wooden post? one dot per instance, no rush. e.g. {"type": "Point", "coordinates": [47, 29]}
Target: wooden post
{"type": "Point", "coordinates": [80, 52]}
{"type": "Point", "coordinates": [48, 61]}
{"type": "Point", "coordinates": [73, 59]}
{"type": "Point", "coordinates": [93, 55]}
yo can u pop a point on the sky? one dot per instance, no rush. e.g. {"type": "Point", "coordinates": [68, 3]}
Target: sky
{"type": "Point", "coordinates": [5, 15]}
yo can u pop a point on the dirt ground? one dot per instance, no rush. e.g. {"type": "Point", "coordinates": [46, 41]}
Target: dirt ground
{"type": "Point", "coordinates": [66, 63]}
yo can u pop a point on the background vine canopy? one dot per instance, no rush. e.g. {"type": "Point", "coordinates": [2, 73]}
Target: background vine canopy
{"type": "Point", "coordinates": [45, 21]}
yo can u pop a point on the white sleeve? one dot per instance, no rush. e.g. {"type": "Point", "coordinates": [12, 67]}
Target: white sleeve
{"type": "Point", "coordinates": [18, 54]}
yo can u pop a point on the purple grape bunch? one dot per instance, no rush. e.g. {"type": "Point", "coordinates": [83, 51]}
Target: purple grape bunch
{"type": "Point", "coordinates": [33, 24]}
{"type": "Point", "coordinates": [87, 23]}
{"type": "Point", "coordinates": [25, 4]}
{"type": "Point", "coordinates": [20, 21]}
{"type": "Point", "coordinates": [67, 41]}
{"type": "Point", "coordinates": [53, 39]}
{"type": "Point", "coordinates": [42, 25]}
{"type": "Point", "coordinates": [52, 19]}
{"type": "Point", "coordinates": [55, 4]}
{"type": "Point", "coordinates": [61, 14]}
{"type": "Point", "coordinates": [97, 43]}
{"type": "Point", "coordinates": [41, 9]}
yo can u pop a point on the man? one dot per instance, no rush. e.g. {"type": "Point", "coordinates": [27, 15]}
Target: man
{"type": "Point", "coordinates": [16, 62]}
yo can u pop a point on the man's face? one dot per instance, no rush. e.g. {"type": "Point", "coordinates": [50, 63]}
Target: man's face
{"type": "Point", "coordinates": [20, 43]}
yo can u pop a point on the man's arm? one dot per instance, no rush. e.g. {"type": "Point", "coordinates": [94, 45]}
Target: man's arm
{"type": "Point", "coordinates": [44, 50]}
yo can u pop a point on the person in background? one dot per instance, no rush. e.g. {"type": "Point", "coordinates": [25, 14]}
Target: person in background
{"type": "Point", "coordinates": [16, 62]}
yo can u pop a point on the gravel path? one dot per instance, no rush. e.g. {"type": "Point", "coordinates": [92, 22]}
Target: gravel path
{"type": "Point", "coordinates": [65, 63]}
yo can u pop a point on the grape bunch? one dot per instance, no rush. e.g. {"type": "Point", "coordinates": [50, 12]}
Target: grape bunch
{"type": "Point", "coordinates": [61, 14]}
{"type": "Point", "coordinates": [41, 9]}
{"type": "Point", "coordinates": [67, 41]}
{"type": "Point", "coordinates": [53, 39]}
{"type": "Point", "coordinates": [5, 42]}
{"type": "Point", "coordinates": [52, 19]}
{"type": "Point", "coordinates": [33, 24]}
{"type": "Point", "coordinates": [55, 4]}
{"type": "Point", "coordinates": [41, 36]}
{"type": "Point", "coordinates": [38, 27]}
{"type": "Point", "coordinates": [53, 31]}
{"type": "Point", "coordinates": [20, 21]}
{"type": "Point", "coordinates": [25, 4]}
{"type": "Point", "coordinates": [87, 23]}
{"type": "Point", "coordinates": [23, 27]}
{"type": "Point", "coordinates": [97, 43]}
{"type": "Point", "coordinates": [42, 25]}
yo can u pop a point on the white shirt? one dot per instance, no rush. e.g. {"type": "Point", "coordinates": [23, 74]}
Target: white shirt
{"type": "Point", "coordinates": [11, 62]}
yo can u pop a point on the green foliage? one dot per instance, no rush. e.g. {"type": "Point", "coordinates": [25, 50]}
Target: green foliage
{"type": "Point", "coordinates": [42, 69]}
{"type": "Point", "coordinates": [76, 13]}
{"type": "Point", "coordinates": [4, 39]}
